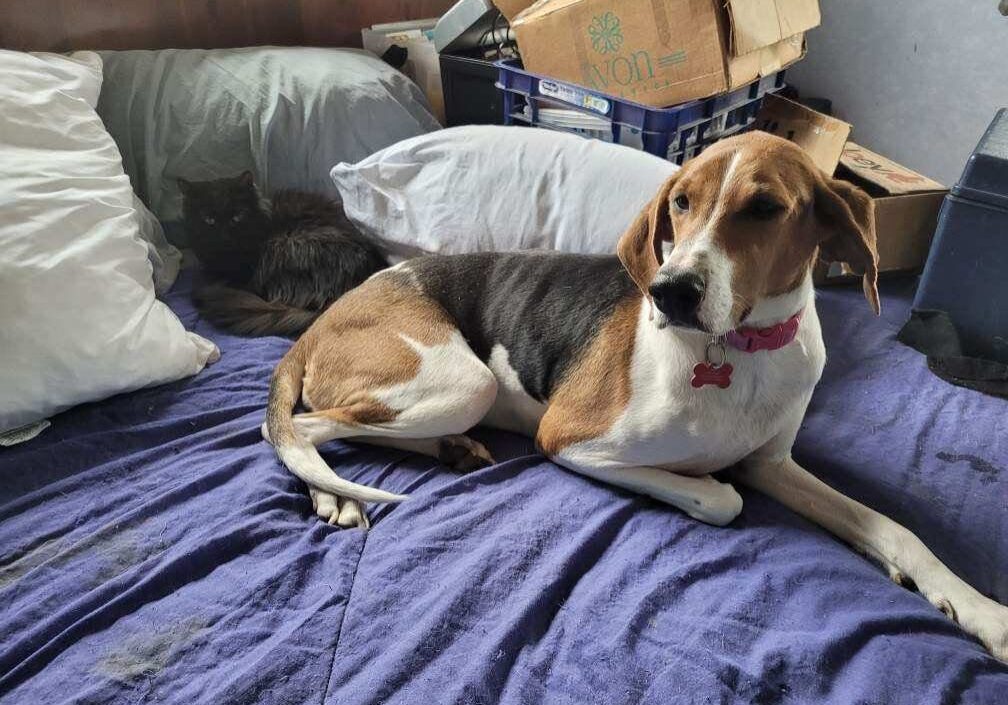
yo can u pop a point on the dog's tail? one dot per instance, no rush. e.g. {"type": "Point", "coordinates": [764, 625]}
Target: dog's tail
{"type": "Point", "coordinates": [245, 313]}
{"type": "Point", "coordinates": [296, 453]}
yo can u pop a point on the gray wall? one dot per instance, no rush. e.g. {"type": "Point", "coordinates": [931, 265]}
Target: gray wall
{"type": "Point", "coordinates": [918, 79]}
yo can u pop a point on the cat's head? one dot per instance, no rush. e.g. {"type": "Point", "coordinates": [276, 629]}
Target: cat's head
{"type": "Point", "coordinates": [226, 207]}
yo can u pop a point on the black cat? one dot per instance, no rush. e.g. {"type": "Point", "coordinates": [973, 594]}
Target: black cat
{"type": "Point", "coordinates": [276, 264]}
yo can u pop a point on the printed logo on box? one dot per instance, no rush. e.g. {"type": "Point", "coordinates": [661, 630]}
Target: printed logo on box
{"type": "Point", "coordinates": [605, 33]}
{"type": "Point", "coordinates": [624, 73]}
{"type": "Point", "coordinates": [866, 162]}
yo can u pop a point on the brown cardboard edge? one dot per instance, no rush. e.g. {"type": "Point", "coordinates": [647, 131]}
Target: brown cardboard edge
{"type": "Point", "coordinates": [732, 48]}
{"type": "Point", "coordinates": [854, 177]}
{"type": "Point", "coordinates": [814, 117]}
{"type": "Point", "coordinates": [534, 11]}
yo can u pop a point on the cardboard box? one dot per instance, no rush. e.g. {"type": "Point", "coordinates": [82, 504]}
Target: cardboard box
{"type": "Point", "coordinates": [822, 136]}
{"type": "Point", "coordinates": [906, 211]}
{"type": "Point", "coordinates": [510, 8]}
{"type": "Point", "coordinates": [663, 52]}
{"type": "Point", "coordinates": [906, 203]}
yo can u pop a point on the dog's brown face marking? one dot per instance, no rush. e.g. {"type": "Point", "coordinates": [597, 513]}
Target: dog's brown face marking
{"type": "Point", "coordinates": [761, 202]}
{"type": "Point", "coordinates": [597, 389]}
{"type": "Point", "coordinates": [753, 200]}
{"type": "Point", "coordinates": [360, 348]}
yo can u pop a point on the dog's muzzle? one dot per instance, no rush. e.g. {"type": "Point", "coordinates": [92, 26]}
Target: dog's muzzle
{"type": "Point", "coordinates": [678, 295]}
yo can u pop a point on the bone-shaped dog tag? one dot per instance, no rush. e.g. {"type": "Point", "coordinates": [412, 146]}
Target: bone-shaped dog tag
{"type": "Point", "coordinates": [705, 373]}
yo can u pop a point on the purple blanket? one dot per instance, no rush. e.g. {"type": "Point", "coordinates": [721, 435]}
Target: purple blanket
{"type": "Point", "coordinates": [153, 550]}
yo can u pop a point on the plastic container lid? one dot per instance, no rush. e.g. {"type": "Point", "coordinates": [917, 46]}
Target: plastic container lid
{"type": "Point", "coordinates": [985, 178]}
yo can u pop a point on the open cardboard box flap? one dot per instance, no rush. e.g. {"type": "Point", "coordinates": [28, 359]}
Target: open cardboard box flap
{"type": "Point", "coordinates": [822, 136]}
{"type": "Point", "coordinates": [541, 8]}
{"type": "Point", "coordinates": [511, 8]}
{"type": "Point", "coordinates": [756, 24]}
{"type": "Point", "coordinates": [881, 176]}
{"type": "Point", "coordinates": [906, 203]}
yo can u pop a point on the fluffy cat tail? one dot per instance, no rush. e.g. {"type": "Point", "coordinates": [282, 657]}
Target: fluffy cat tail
{"type": "Point", "coordinates": [244, 313]}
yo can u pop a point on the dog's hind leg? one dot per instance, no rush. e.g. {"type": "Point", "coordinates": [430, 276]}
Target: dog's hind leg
{"type": "Point", "coordinates": [338, 511]}
{"type": "Point", "coordinates": [457, 451]}
{"type": "Point", "coordinates": [449, 392]}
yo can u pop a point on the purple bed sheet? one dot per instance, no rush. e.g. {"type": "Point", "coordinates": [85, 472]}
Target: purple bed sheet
{"type": "Point", "coordinates": [152, 549]}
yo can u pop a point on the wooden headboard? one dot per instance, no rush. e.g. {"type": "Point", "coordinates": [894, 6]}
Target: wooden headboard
{"type": "Point", "coordinates": [64, 25]}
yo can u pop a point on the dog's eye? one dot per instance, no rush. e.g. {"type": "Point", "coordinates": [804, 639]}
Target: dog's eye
{"type": "Point", "coordinates": [763, 208]}
{"type": "Point", "coordinates": [237, 217]}
{"type": "Point", "coordinates": [209, 219]}
{"type": "Point", "coordinates": [681, 202]}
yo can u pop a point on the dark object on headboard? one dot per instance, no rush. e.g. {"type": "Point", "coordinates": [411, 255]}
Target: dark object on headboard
{"type": "Point", "coordinates": [395, 56]}
{"type": "Point", "coordinates": [64, 25]}
{"type": "Point", "coordinates": [470, 91]}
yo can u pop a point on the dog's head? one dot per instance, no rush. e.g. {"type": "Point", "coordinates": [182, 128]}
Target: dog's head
{"type": "Point", "coordinates": [746, 219]}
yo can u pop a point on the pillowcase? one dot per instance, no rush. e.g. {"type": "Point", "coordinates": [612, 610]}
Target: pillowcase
{"type": "Point", "coordinates": [484, 187]}
{"type": "Point", "coordinates": [79, 317]}
{"type": "Point", "coordinates": [165, 259]}
{"type": "Point", "coordinates": [286, 114]}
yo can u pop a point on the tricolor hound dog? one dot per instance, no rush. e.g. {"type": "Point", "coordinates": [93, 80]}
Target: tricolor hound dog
{"type": "Point", "coordinates": [645, 374]}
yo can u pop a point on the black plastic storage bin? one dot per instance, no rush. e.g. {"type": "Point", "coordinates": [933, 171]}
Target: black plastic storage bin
{"type": "Point", "coordinates": [966, 274]}
{"type": "Point", "coordinates": [470, 91]}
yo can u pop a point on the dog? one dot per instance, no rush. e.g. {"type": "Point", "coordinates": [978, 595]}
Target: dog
{"type": "Point", "coordinates": [644, 372]}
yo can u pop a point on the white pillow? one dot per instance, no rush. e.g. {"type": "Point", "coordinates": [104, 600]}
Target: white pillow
{"type": "Point", "coordinates": [165, 258]}
{"type": "Point", "coordinates": [481, 188]}
{"type": "Point", "coordinates": [78, 316]}
{"type": "Point", "coordinates": [286, 113]}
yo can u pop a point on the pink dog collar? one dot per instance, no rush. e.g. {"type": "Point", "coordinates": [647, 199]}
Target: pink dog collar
{"type": "Point", "coordinates": [747, 340]}
{"type": "Point", "coordinates": [773, 337]}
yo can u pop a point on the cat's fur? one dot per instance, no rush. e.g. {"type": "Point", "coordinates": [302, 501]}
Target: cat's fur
{"type": "Point", "coordinates": [276, 264]}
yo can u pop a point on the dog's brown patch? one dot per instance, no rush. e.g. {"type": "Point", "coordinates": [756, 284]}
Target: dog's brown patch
{"type": "Point", "coordinates": [597, 389]}
{"type": "Point", "coordinates": [357, 346]}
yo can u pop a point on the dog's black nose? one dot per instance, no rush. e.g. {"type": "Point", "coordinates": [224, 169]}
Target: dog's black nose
{"type": "Point", "coordinates": [678, 296]}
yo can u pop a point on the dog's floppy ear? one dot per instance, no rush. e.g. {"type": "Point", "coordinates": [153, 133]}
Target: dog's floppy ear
{"type": "Point", "coordinates": [640, 247]}
{"type": "Point", "coordinates": [848, 214]}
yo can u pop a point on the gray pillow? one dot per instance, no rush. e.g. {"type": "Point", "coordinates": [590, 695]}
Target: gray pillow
{"type": "Point", "coordinates": [287, 114]}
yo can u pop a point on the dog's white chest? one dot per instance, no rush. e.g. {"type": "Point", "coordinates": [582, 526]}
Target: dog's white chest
{"type": "Point", "coordinates": [669, 423]}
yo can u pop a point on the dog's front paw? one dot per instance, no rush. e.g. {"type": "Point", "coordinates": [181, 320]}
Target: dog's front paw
{"type": "Point", "coordinates": [719, 507]}
{"type": "Point", "coordinates": [980, 616]}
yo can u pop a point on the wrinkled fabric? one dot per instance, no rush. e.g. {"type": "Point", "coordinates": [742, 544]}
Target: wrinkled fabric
{"type": "Point", "coordinates": [491, 188]}
{"type": "Point", "coordinates": [286, 113]}
{"type": "Point", "coordinates": [152, 549]}
{"type": "Point", "coordinates": [79, 261]}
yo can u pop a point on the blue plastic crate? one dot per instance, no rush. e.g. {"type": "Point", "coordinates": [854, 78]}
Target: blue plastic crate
{"type": "Point", "coordinates": [676, 133]}
{"type": "Point", "coordinates": [965, 274]}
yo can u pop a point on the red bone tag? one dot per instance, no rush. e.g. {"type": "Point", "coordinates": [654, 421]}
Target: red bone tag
{"type": "Point", "coordinates": [705, 373]}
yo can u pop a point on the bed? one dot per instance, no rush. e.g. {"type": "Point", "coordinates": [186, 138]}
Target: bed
{"type": "Point", "coordinates": [152, 548]}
